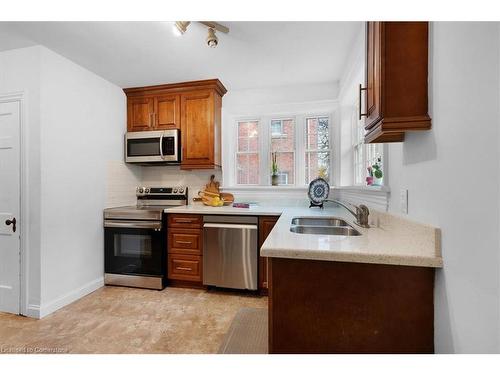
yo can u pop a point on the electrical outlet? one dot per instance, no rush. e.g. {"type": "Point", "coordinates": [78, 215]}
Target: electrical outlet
{"type": "Point", "coordinates": [403, 201]}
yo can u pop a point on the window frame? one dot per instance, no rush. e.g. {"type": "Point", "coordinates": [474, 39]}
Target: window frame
{"type": "Point", "coordinates": [236, 152]}
{"type": "Point", "coordinates": [358, 146]}
{"type": "Point", "coordinates": [299, 152]}
{"type": "Point", "coordinates": [283, 136]}
{"type": "Point", "coordinates": [307, 150]}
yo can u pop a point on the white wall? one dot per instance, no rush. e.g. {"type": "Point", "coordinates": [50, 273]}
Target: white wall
{"type": "Point", "coordinates": [353, 76]}
{"type": "Point", "coordinates": [20, 71]}
{"type": "Point", "coordinates": [82, 120]}
{"type": "Point", "coordinates": [452, 175]}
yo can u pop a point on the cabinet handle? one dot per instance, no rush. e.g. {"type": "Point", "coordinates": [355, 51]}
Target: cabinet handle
{"type": "Point", "coordinates": [361, 114]}
{"type": "Point", "coordinates": [184, 268]}
{"type": "Point", "coordinates": [184, 220]}
{"type": "Point", "coordinates": [150, 120]}
{"type": "Point", "coordinates": [184, 242]}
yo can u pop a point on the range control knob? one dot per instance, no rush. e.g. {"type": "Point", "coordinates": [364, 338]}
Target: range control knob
{"type": "Point", "coordinates": [175, 190]}
{"type": "Point", "coordinates": [147, 190]}
{"type": "Point", "coordinates": [141, 190]}
{"type": "Point", "coordinates": [181, 190]}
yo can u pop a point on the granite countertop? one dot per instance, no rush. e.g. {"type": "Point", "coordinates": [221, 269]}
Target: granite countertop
{"type": "Point", "coordinates": [390, 240]}
{"type": "Point", "coordinates": [201, 209]}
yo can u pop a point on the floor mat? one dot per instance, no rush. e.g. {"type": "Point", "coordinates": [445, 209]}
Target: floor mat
{"type": "Point", "coordinates": [247, 334]}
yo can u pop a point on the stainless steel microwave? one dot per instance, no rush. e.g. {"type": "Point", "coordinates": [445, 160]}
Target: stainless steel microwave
{"type": "Point", "coordinates": [163, 146]}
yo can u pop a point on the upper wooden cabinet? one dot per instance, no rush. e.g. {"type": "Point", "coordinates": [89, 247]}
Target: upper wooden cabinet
{"type": "Point", "coordinates": [167, 112]}
{"type": "Point", "coordinates": [396, 98]}
{"type": "Point", "coordinates": [140, 114]}
{"type": "Point", "coordinates": [193, 107]}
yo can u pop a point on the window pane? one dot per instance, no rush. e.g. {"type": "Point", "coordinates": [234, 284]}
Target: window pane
{"type": "Point", "coordinates": [276, 128]}
{"type": "Point", "coordinates": [248, 136]}
{"type": "Point", "coordinates": [285, 141]}
{"type": "Point", "coordinates": [247, 169]}
{"type": "Point", "coordinates": [317, 164]}
{"type": "Point", "coordinates": [286, 166]}
{"type": "Point", "coordinates": [317, 133]}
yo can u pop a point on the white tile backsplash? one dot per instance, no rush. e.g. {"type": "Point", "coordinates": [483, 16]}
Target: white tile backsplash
{"type": "Point", "coordinates": [122, 179]}
{"type": "Point", "coordinates": [172, 176]}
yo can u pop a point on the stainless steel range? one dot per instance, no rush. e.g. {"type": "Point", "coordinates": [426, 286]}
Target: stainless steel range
{"type": "Point", "coordinates": [135, 238]}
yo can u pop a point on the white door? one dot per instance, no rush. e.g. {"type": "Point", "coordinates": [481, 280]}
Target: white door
{"type": "Point", "coordinates": [9, 207]}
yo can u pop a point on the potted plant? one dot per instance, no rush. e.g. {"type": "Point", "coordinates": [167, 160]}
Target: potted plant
{"type": "Point", "coordinates": [378, 175]}
{"type": "Point", "coordinates": [274, 169]}
{"type": "Point", "coordinates": [375, 174]}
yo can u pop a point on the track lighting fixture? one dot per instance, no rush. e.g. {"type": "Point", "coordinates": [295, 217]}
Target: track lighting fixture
{"type": "Point", "coordinates": [180, 28]}
{"type": "Point", "coordinates": [212, 39]}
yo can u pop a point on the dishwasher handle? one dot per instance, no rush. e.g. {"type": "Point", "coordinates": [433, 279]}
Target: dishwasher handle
{"type": "Point", "coordinates": [229, 226]}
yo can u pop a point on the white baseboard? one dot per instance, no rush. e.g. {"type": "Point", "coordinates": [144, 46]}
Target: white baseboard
{"type": "Point", "coordinates": [33, 311]}
{"type": "Point", "coordinates": [38, 312]}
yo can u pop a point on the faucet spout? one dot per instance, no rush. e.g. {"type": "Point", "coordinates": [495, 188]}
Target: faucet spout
{"type": "Point", "coordinates": [361, 214]}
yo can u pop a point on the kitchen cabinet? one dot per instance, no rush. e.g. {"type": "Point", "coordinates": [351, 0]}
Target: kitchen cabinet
{"type": "Point", "coordinates": [167, 112]}
{"type": "Point", "coordinates": [396, 98]}
{"type": "Point", "coordinates": [140, 114]}
{"type": "Point", "coordinates": [346, 307]}
{"type": "Point", "coordinates": [185, 250]}
{"type": "Point", "coordinates": [198, 128]}
{"type": "Point", "coordinates": [193, 107]}
{"type": "Point", "coordinates": [266, 224]}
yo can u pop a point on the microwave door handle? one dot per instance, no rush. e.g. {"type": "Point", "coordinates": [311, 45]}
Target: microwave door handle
{"type": "Point", "coordinates": [161, 146]}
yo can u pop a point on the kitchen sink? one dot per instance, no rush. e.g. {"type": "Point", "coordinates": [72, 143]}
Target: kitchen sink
{"type": "Point", "coordinates": [332, 226]}
{"type": "Point", "coordinates": [332, 231]}
{"type": "Point", "coordinates": [320, 221]}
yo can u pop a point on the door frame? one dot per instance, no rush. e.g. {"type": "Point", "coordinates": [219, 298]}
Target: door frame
{"type": "Point", "coordinates": [19, 96]}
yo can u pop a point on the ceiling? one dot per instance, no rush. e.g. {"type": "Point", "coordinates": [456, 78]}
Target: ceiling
{"type": "Point", "coordinates": [252, 55]}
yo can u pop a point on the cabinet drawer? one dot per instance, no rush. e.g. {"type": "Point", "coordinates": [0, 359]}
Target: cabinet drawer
{"type": "Point", "coordinates": [184, 241]}
{"type": "Point", "coordinates": [185, 221]}
{"type": "Point", "coordinates": [184, 267]}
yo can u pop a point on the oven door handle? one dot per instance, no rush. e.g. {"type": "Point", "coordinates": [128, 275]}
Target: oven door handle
{"type": "Point", "coordinates": [156, 225]}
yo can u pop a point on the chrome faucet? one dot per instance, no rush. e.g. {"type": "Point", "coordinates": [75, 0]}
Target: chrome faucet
{"type": "Point", "coordinates": [361, 213]}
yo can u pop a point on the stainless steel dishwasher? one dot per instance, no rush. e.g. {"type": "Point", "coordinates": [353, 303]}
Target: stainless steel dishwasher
{"type": "Point", "coordinates": [230, 251]}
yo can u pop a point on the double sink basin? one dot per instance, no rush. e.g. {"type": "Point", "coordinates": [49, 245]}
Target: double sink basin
{"type": "Point", "coordinates": [332, 226]}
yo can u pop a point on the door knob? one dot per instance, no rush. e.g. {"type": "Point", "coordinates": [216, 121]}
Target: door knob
{"type": "Point", "coordinates": [13, 222]}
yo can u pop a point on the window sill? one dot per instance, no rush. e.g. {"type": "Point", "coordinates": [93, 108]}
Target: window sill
{"type": "Point", "coordinates": [363, 188]}
{"type": "Point", "coordinates": [264, 188]}
{"type": "Point", "coordinates": [375, 189]}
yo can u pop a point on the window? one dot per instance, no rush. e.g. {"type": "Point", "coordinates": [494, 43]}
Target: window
{"type": "Point", "coordinates": [276, 128]}
{"type": "Point", "coordinates": [283, 178]}
{"type": "Point", "coordinates": [365, 155]}
{"type": "Point", "coordinates": [247, 154]}
{"type": "Point", "coordinates": [283, 144]}
{"type": "Point", "coordinates": [301, 143]}
{"type": "Point", "coordinates": [317, 148]}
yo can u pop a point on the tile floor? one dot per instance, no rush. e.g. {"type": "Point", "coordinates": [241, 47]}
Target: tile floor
{"type": "Point", "coordinates": [128, 320]}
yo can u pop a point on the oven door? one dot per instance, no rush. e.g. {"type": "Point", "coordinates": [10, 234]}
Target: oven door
{"type": "Point", "coordinates": [134, 248]}
{"type": "Point", "coordinates": [153, 147]}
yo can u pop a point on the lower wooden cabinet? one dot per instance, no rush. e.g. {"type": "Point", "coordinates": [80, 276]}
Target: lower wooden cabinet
{"type": "Point", "coordinates": [185, 249]}
{"type": "Point", "coordinates": [185, 241]}
{"type": "Point", "coordinates": [185, 267]}
{"type": "Point", "coordinates": [266, 224]}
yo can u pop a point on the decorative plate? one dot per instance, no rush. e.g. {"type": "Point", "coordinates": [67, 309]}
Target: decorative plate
{"type": "Point", "coordinates": [318, 190]}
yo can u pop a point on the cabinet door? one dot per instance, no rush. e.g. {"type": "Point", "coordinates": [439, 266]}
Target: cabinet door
{"type": "Point", "coordinates": [197, 129]}
{"type": "Point", "coordinates": [374, 35]}
{"type": "Point", "coordinates": [140, 114]}
{"type": "Point", "coordinates": [266, 224]}
{"type": "Point", "coordinates": [167, 112]}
